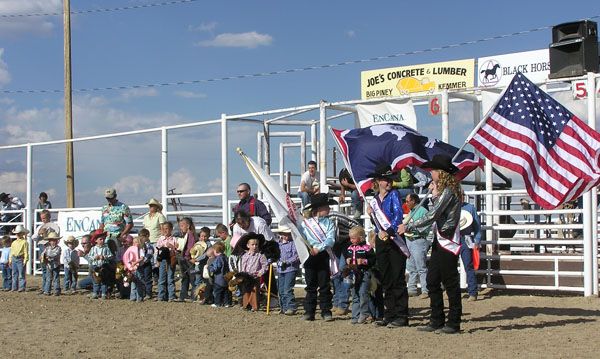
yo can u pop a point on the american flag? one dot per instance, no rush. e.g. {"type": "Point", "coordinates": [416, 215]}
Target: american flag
{"type": "Point", "coordinates": [532, 134]}
{"type": "Point", "coordinates": [397, 145]}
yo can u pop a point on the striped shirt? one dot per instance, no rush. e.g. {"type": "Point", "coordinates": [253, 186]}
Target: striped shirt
{"type": "Point", "coordinates": [253, 263]}
{"type": "Point", "coordinates": [99, 251]}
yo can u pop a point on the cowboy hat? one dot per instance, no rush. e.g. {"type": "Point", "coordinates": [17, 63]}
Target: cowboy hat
{"type": "Point", "coordinates": [20, 229]}
{"type": "Point", "coordinates": [155, 202]}
{"type": "Point", "coordinates": [242, 243]}
{"type": "Point", "coordinates": [3, 196]}
{"type": "Point", "coordinates": [52, 236]}
{"type": "Point", "coordinates": [466, 219]}
{"type": "Point", "coordinates": [320, 200]}
{"type": "Point", "coordinates": [71, 239]}
{"type": "Point", "coordinates": [98, 234]}
{"type": "Point", "coordinates": [282, 228]}
{"type": "Point", "coordinates": [382, 170]}
{"type": "Point", "coordinates": [441, 162]}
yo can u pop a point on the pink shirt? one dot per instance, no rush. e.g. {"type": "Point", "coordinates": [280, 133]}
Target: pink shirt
{"type": "Point", "coordinates": [131, 255]}
{"type": "Point", "coordinates": [164, 241]}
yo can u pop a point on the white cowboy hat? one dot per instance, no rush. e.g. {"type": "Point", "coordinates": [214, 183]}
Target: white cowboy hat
{"type": "Point", "coordinates": [155, 202]}
{"type": "Point", "coordinates": [71, 239]}
{"type": "Point", "coordinates": [282, 229]}
{"type": "Point", "coordinates": [52, 235]}
{"type": "Point", "coordinates": [466, 219]}
{"type": "Point", "coordinates": [20, 229]}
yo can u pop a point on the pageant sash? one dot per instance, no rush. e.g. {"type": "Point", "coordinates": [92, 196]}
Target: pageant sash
{"type": "Point", "coordinates": [383, 223]}
{"type": "Point", "coordinates": [317, 231]}
{"type": "Point", "coordinates": [451, 245]}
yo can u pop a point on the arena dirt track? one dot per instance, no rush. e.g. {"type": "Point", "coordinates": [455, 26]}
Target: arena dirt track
{"type": "Point", "coordinates": [502, 325]}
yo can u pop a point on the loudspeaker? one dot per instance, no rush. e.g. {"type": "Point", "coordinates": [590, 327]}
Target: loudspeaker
{"type": "Point", "coordinates": [574, 49]}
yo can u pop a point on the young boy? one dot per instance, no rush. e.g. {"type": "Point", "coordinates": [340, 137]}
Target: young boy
{"type": "Point", "coordinates": [70, 259]}
{"type": "Point", "coordinates": [218, 269]}
{"type": "Point", "coordinates": [52, 257]}
{"type": "Point", "coordinates": [287, 267]}
{"type": "Point", "coordinates": [223, 234]}
{"type": "Point", "coordinates": [4, 267]}
{"type": "Point", "coordinates": [146, 266]}
{"type": "Point", "coordinates": [255, 264]}
{"type": "Point", "coordinates": [99, 259]}
{"type": "Point", "coordinates": [198, 259]}
{"type": "Point", "coordinates": [18, 258]}
{"type": "Point", "coordinates": [167, 249]}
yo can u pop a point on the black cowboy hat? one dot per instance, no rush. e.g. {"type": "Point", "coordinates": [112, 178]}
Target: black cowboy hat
{"type": "Point", "coordinates": [382, 171]}
{"type": "Point", "coordinates": [242, 243]}
{"type": "Point", "coordinates": [3, 196]}
{"type": "Point", "coordinates": [441, 162]}
{"type": "Point", "coordinates": [320, 200]}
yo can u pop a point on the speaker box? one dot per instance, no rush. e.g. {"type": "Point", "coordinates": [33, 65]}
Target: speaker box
{"type": "Point", "coordinates": [574, 49]}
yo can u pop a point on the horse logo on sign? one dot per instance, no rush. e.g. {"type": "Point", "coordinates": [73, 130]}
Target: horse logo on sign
{"type": "Point", "coordinates": [489, 74]}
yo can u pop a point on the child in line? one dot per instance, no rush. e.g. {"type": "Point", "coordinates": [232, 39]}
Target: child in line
{"type": "Point", "coordinates": [133, 258]}
{"type": "Point", "coordinates": [146, 266]}
{"type": "Point", "coordinates": [18, 258]}
{"type": "Point", "coordinates": [360, 257]}
{"type": "Point", "coordinates": [100, 257]}
{"type": "Point", "coordinates": [223, 234]}
{"type": "Point", "coordinates": [207, 278]}
{"type": "Point", "coordinates": [198, 259]}
{"type": "Point", "coordinates": [217, 269]}
{"type": "Point", "coordinates": [52, 259]}
{"type": "Point", "coordinates": [255, 264]}
{"type": "Point", "coordinates": [70, 259]}
{"type": "Point", "coordinates": [167, 251]}
{"type": "Point", "coordinates": [287, 267]}
{"type": "Point", "coordinates": [4, 267]}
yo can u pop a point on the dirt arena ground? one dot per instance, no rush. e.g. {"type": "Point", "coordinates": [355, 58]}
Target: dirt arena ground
{"type": "Point", "coordinates": [501, 325]}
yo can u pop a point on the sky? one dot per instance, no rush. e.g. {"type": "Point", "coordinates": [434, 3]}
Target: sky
{"type": "Point", "coordinates": [203, 40]}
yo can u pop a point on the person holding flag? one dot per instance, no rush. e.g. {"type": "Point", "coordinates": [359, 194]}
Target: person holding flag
{"type": "Point", "coordinates": [319, 232]}
{"type": "Point", "coordinates": [444, 217]}
{"type": "Point", "coordinates": [391, 251]}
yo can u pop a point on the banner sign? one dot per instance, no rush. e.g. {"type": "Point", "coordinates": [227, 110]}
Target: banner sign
{"type": "Point", "coordinates": [498, 71]}
{"type": "Point", "coordinates": [387, 112]}
{"type": "Point", "coordinates": [77, 224]}
{"type": "Point", "coordinates": [425, 78]}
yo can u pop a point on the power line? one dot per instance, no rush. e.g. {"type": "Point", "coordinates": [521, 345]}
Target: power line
{"type": "Point", "coordinates": [288, 71]}
{"type": "Point", "coordinates": [90, 11]}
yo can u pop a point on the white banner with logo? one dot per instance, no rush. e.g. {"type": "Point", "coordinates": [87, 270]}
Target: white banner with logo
{"type": "Point", "coordinates": [387, 112]}
{"type": "Point", "coordinates": [77, 224]}
{"type": "Point", "coordinates": [497, 71]}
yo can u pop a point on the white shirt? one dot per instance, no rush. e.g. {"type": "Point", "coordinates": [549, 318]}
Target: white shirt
{"type": "Point", "coordinates": [257, 225]}
{"type": "Point", "coordinates": [308, 180]}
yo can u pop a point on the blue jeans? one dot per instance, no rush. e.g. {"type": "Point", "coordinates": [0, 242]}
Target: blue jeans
{"type": "Point", "coordinates": [305, 197]}
{"type": "Point", "coordinates": [285, 286]}
{"type": "Point", "coordinates": [416, 265]}
{"type": "Point", "coordinates": [197, 277]}
{"type": "Point", "coordinates": [18, 273]}
{"type": "Point", "coordinates": [44, 269]}
{"type": "Point", "coordinates": [102, 287]}
{"type": "Point", "coordinates": [86, 283]}
{"type": "Point", "coordinates": [137, 287]}
{"type": "Point", "coordinates": [466, 254]}
{"type": "Point", "coordinates": [166, 281]}
{"type": "Point", "coordinates": [341, 289]}
{"type": "Point", "coordinates": [146, 270]}
{"type": "Point", "coordinates": [6, 276]}
{"type": "Point", "coordinates": [357, 204]}
{"type": "Point", "coordinates": [52, 277]}
{"type": "Point", "coordinates": [220, 295]}
{"type": "Point", "coordinates": [70, 278]}
{"type": "Point", "coordinates": [360, 295]}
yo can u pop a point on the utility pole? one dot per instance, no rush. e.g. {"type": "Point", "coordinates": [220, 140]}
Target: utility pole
{"type": "Point", "coordinates": [68, 105]}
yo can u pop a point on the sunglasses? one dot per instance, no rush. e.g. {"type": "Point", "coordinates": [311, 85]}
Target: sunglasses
{"type": "Point", "coordinates": [241, 191]}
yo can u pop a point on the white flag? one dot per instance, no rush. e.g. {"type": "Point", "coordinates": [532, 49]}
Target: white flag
{"type": "Point", "coordinates": [387, 112]}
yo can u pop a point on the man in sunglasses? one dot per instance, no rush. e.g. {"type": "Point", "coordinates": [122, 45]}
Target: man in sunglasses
{"type": "Point", "coordinates": [250, 204]}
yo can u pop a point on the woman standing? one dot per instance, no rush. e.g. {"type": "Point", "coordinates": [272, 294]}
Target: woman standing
{"type": "Point", "coordinates": [385, 210]}
{"type": "Point", "coordinates": [153, 219]}
{"type": "Point", "coordinates": [444, 217]}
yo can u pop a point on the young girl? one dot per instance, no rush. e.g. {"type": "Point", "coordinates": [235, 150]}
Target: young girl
{"type": "Point", "coordinates": [255, 264]}
{"type": "Point", "coordinates": [217, 269]}
{"type": "Point", "coordinates": [99, 258]}
{"type": "Point", "coordinates": [359, 259]}
{"type": "Point", "coordinates": [4, 267]}
{"type": "Point", "coordinates": [133, 258]}
{"type": "Point", "coordinates": [70, 259]}
{"type": "Point", "coordinates": [18, 258]}
{"type": "Point", "coordinates": [52, 257]}
{"type": "Point", "coordinates": [166, 248]}
{"type": "Point", "coordinates": [198, 259]}
{"type": "Point", "coordinates": [287, 267]}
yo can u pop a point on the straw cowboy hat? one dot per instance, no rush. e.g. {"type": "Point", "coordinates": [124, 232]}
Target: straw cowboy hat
{"type": "Point", "coordinates": [20, 229]}
{"type": "Point", "coordinates": [441, 162]}
{"type": "Point", "coordinates": [382, 171]}
{"type": "Point", "coordinates": [155, 202]}
{"type": "Point", "coordinates": [466, 219]}
{"type": "Point", "coordinates": [52, 236]}
{"type": "Point", "coordinates": [282, 229]}
{"type": "Point", "coordinates": [71, 239]}
{"type": "Point", "coordinates": [320, 200]}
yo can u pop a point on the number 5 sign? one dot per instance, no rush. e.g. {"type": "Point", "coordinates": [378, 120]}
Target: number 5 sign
{"type": "Point", "coordinates": [580, 90]}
